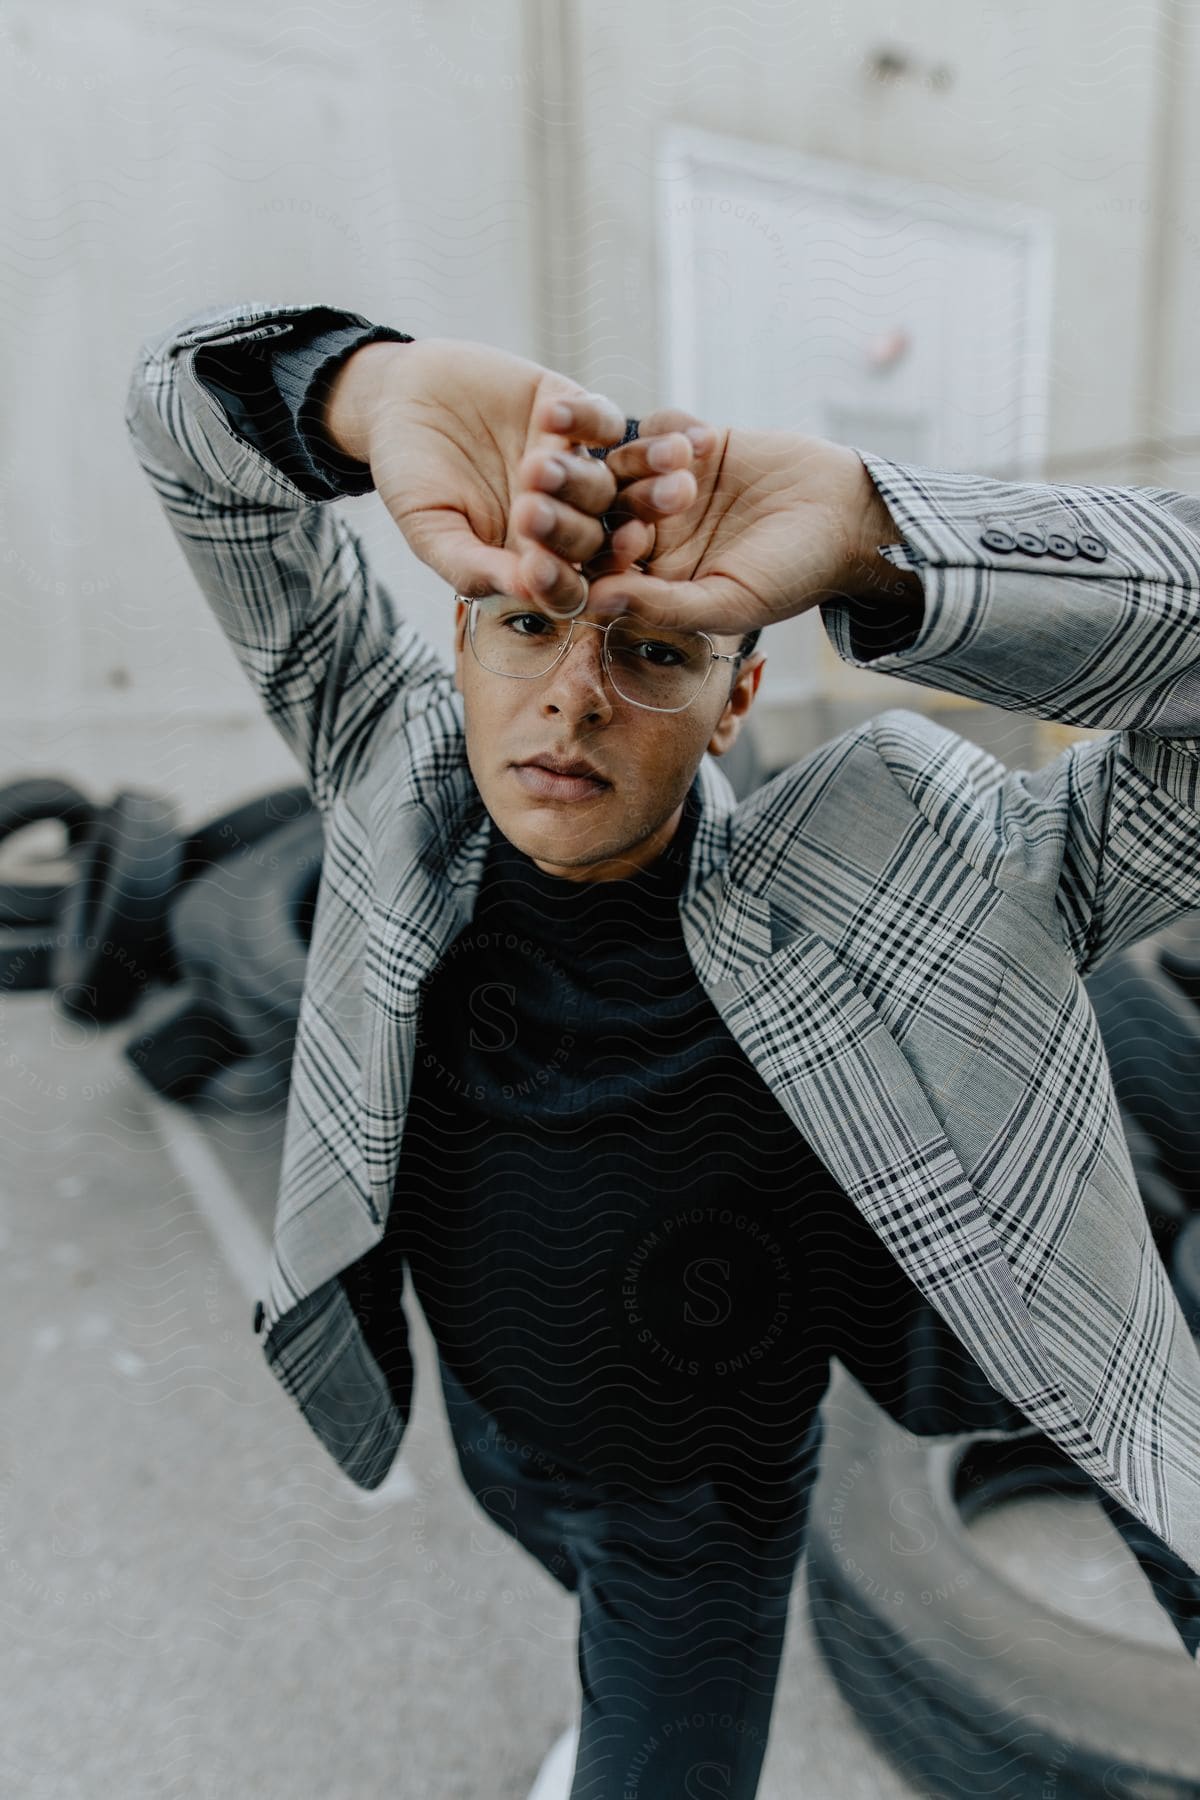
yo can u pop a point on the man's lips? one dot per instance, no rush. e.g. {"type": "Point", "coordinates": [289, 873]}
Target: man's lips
{"type": "Point", "coordinates": [569, 781]}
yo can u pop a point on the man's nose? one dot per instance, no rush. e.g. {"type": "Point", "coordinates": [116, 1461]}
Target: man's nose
{"type": "Point", "coordinates": [577, 681]}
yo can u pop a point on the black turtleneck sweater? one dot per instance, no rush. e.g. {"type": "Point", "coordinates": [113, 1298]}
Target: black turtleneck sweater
{"type": "Point", "coordinates": [614, 1229]}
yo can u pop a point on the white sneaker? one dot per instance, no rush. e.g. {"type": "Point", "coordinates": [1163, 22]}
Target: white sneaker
{"type": "Point", "coordinates": [554, 1777]}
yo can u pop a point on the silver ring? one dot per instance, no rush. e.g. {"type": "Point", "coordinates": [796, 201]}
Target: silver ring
{"type": "Point", "coordinates": [575, 611]}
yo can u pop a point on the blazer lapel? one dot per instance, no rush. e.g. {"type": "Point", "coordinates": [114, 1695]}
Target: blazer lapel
{"type": "Point", "coordinates": [838, 1072]}
{"type": "Point", "coordinates": [429, 862]}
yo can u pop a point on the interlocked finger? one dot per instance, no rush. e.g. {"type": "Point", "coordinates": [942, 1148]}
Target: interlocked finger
{"type": "Point", "coordinates": [654, 497]}
{"type": "Point", "coordinates": [667, 440]}
{"type": "Point", "coordinates": [629, 545]}
{"type": "Point", "coordinates": [581, 481]}
{"type": "Point", "coordinates": [553, 584]}
{"type": "Point", "coordinates": [651, 456]}
{"type": "Point", "coordinates": [556, 527]}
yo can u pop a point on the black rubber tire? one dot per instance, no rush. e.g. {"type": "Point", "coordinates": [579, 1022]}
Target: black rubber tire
{"type": "Point", "coordinates": [1179, 956]}
{"type": "Point", "coordinates": [242, 931]}
{"type": "Point", "coordinates": [241, 828]}
{"type": "Point", "coordinates": [251, 1084]}
{"type": "Point", "coordinates": [37, 797]}
{"type": "Point", "coordinates": [179, 1042]}
{"type": "Point", "coordinates": [969, 1686]}
{"type": "Point", "coordinates": [1167, 1210]}
{"type": "Point", "coordinates": [26, 958]}
{"type": "Point", "coordinates": [33, 894]}
{"type": "Point", "coordinates": [1151, 1033]}
{"type": "Point", "coordinates": [31, 900]}
{"type": "Point", "coordinates": [112, 940]}
{"type": "Point", "coordinates": [1185, 1274]}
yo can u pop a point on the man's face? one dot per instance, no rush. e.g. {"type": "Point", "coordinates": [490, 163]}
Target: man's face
{"type": "Point", "coordinates": [598, 830]}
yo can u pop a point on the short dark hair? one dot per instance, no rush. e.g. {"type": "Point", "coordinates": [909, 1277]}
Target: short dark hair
{"type": "Point", "coordinates": [749, 640]}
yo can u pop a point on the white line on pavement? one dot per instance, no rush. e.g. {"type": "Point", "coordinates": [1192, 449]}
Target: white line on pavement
{"type": "Point", "coordinates": [196, 1163]}
{"type": "Point", "coordinates": [243, 1245]}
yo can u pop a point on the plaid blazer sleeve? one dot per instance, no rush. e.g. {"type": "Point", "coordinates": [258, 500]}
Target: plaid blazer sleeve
{"type": "Point", "coordinates": [317, 634]}
{"type": "Point", "coordinates": [1100, 631]}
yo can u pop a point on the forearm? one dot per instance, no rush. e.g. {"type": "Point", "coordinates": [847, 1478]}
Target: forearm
{"type": "Point", "coordinates": [882, 601]}
{"type": "Point", "coordinates": [353, 398]}
{"type": "Point", "coordinates": [273, 394]}
{"type": "Point", "coordinates": [1080, 604]}
{"type": "Point", "coordinates": [285, 578]}
{"type": "Point", "coordinates": [875, 576]}
{"type": "Point", "coordinates": [250, 378]}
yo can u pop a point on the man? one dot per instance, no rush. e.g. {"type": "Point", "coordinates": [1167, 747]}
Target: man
{"type": "Point", "coordinates": [661, 1100]}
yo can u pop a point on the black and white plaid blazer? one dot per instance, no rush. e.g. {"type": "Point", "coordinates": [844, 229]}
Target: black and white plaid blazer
{"type": "Point", "coordinates": [893, 929]}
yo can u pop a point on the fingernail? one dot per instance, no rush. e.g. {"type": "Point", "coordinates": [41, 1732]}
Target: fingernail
{"type": "Point", "coordinates": [559, 415]}
{"type": "Point", "coordinates": [698, 435]}
{"type": "Point", "coordinates": [659, 454]}
{"type": "Point", "coordinates": [541, 515]}
{"type": "Point", "coordinates": [544, 576]}
{"type": "Point", "coordinates": [554, 473]}
{"type": "Point", "coordinates": [665, 491]}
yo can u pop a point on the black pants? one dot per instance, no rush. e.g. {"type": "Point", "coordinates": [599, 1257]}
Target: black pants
{"type": "Point", "coordinates": [683, 1602]}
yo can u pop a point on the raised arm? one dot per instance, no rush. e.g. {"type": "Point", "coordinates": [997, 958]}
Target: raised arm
{"type": "Point", "coordinates": [1075, 603]}
{"type": "Point", "coordinates": [1079, 604]}
{"type": "Point", "coordinates": [248, 420]}
{"type": "Point", "coordinates": [317, 634]}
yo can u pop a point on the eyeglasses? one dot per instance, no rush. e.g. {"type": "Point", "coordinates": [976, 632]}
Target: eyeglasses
{"type": "Point", "coordinates": [649, 665]}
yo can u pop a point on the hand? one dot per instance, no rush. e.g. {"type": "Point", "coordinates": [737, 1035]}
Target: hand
{"type": "Point", "coordinates": [466, 448]}
{"type": "Point", "coordinates": [780, 522]}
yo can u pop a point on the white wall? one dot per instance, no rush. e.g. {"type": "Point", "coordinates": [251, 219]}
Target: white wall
{"type": "Point", "coordinates": [1052, 106]}
{"type": "Point", "coordinates": [158, 160]}
{"type": "Point", "coordinates": [1056, 107]}
{"type": "Point", "coordinates": [1172, 210]}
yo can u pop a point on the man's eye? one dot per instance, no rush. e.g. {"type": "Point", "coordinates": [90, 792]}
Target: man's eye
{"type": "Point", "coordinates": [663, 656]}
{"type": "Point", "coordinates": [541, 625]}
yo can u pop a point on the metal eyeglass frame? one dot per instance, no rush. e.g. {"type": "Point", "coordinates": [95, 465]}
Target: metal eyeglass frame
{"type": "Point", "coordinates": [573, 619]}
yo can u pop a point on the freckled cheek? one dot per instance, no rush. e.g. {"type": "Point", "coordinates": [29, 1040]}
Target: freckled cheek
{"type": "Point", "coordinates": [492, 721]}
{"type": "Point", "coordinates": [657, 765]}
{"type": "Point", "coordinates": [639, 756]}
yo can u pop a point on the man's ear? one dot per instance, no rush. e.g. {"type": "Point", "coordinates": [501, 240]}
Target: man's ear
{"type": "Point", "coordinates": [741, 698]}
{"type": "Point", "coordinates": [460, 640]}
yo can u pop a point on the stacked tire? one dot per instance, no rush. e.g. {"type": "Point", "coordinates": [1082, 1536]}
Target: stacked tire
{"type": "Point", "coordinates": [201, 935]}
{"type": "Point", "coordinates": [111, 942]}
{"type": "Point", "coordinates": [240, 931]}
{"type": "Point", "coordinates": [1147, 1002]}
{"type": "Point", "coordinates": [33, 889]}
{"type": "Point", "coordinates": [92, 925]}
{"type": "Point", "coordinates": [1185, 1274]}
{"type": "Point", "coordinates": [970, 1680]}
